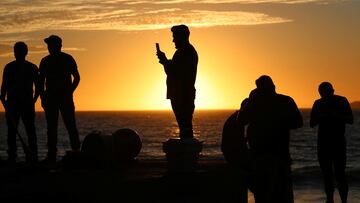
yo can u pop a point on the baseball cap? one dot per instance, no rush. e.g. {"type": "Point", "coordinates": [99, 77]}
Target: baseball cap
{"type": "Point", "coordinates": [53, 39]}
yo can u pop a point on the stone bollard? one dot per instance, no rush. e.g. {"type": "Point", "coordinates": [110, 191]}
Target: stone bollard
{"type": "Point", "coordinates": [122, 147]}
{"type": "Point", "coordinates": [182, 154]}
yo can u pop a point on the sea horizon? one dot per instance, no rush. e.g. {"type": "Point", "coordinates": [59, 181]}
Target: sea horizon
{"type": "Point", "coordinates": [156, 126]}
{"type": "Point", "coordinates": [149, 110]}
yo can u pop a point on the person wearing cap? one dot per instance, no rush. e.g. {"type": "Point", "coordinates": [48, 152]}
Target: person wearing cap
{"type": "Point", "coordinates": [59, 78]}
{"type": "Point", "coordinates": [181, 76]}
{"type": "Point", "coordinates": [331, 113]}
{"type": "Point", "coordinates": [18, 97]}
{"type": "Point", "coordinates": [269, 117]}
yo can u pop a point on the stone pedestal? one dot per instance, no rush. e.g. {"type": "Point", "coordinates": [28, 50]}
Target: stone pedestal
{"type": "Point", "coordinates": [182, 154]}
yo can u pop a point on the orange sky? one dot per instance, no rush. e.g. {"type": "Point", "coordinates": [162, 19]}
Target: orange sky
{"type": "Point", "coordinates": [298, 43]}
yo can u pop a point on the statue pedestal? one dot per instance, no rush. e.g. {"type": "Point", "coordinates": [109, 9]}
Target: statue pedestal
{"type": "Point", "coordinates": [182, 154]}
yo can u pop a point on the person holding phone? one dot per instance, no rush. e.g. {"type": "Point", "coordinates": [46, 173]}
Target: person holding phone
{"type": "Point", "coordinates": [181, 75]}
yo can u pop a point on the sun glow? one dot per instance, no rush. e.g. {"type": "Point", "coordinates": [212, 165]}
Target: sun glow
{"type": "Point", "coordinates": [207, 96]}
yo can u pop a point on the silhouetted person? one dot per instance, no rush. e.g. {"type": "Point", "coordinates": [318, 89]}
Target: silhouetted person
{"type": "Point", "coordinates": [18, 97]}
{"type": "Point", "coordinates": [331, 113]}
{"type": "Point", "coordinates": [233, 142]}
{"type": "Point", "coordinates": [181, 76]}
{"type": "Point", "coordinates": [56, 90]}
{"type": "Point", "coordinates": [270, 116]}
{"type": "Point", "coordinates": [236, 153]}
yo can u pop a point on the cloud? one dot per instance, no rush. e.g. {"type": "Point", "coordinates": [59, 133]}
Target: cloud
{"type": "Point", "coordinates": [6, 49]}
{"type": "Point", "coordinates": [241, 1]}
{"type": "Point", "coordinates": [200, 18]}
{"type": "Point", "coordinates": [34, 15]}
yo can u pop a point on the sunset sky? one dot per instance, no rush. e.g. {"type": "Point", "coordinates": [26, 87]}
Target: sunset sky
{"type": "Point", "coordinates": [299, 43]}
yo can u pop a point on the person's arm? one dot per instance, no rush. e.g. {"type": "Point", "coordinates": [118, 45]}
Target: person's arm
{"type": "Point", "coordinates": [348, 115]}
{"type": "Point", "coordinates": [295, 120]}
{"type": "Point", "coordinates": [314, 116]}
{"type": "Point", "coordinates": [244, 114]}
{"type": "Point", "coordinates": [189, 64]}
{"type": "Point", "coordinates": [4, 86]}
{"type": "Point", "coordinates": [162, 57]}
{"type": "Point", "coordinates": [36, 83]}
{"type": "Point", "coordinates": [167, 66]}
{"type": "Point", "coordinates": [75, 74]}
{"type": "Point", "coordinates": [41, 83]}
{"type": "Point", "coordinates": [76, 80]}
{"type": "Point", "coordinates": [164, 61]}
{"type": "Point", "coordinates": [41, 79]}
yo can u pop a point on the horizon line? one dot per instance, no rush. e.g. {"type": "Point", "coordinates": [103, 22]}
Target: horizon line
{"type": "Point", "coordinates": [135, 110]}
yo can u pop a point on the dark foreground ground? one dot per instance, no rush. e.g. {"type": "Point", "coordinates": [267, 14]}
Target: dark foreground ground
{"type": "Point", "coordinates": [142, 181]}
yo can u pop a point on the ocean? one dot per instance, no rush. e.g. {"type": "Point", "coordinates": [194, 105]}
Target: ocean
{"type": "Point", "coordinates": [155, 127]}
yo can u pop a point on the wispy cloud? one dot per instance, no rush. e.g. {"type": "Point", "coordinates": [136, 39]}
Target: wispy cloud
{"type": "Point", "coordinates": [7, 49]}
{"type": "Point", "coordinates": [198, 18]}
{"type": "Point", "coordinates": [18, 16]}
{"type": "Point", "coordinates": [240, 1]}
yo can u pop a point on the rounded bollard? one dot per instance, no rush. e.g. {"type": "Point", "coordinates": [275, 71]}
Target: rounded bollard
{"type": "Point", "coordinates": [121, 147]}
{"type": "Point", "coordinates": [96, 149]}
{"type": "Point", "coordinates": [126, 145]}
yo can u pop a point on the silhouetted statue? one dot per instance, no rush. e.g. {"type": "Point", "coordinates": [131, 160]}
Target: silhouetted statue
{"type": "Point", "coordinates": [270, 116]}
{"type": "Point", "coordinates": [181, 75]}
{"type": "Point", "coordinates": [56, 90]}
{"type": "Point", "coordinates": [331, 113]}
{"type": "Point", "coordinates": [18, 97]}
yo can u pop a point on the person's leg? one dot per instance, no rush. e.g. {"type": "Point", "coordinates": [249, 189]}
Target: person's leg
{"type": "Point", "coordinates": [68, 114]}
{"type": "Point", "coordinates": [177, 111]}
{"type": "Point", "coordinates": [339, 168]}
{"type": "Point", "coordinates": [234, 187]}
{"type": "Point", "coordinates": [12, 121]}
{"type": "Point", "coordinates": [286, 193]}
{"type": "Point", "coordinates": [52, 115]}
{"type": "Point", "coordinates": [188, 111]}
{"type": "Point", "coordinates": [275, 181]}
{"type": "Point", "coordinates": [28, 118]}
{"type": "Point", "coordinates": [260, 182]}
{"type": "Point", "coordinates": [325, 161]}
{"type": "Point", "coordinates": [183, 110]}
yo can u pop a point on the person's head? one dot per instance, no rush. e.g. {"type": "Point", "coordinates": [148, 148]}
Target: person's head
{"type": "Point", "coordinates": [265, 84]}
{"type": "Point", "coordinates": [244, 102]}
{"type": "Point", "coordinates": [54, 44]}
{"type": "Point", "coordinates": [181, 35]}
{"type": "Point", "coordinates": [20, 51]}
{"type": "Point", "coordinates": [326, 89]}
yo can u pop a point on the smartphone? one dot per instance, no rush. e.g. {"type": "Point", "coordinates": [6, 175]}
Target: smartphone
{"type": "Point", "coordinates": [157, 47]}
